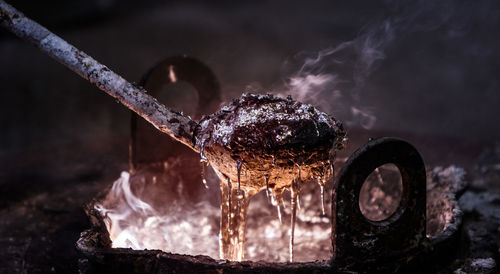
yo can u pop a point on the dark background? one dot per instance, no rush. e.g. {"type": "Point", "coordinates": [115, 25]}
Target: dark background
{"type": "Point", "coordinates": [428, 72]}
{"type": "Point", "coordinates": [438, 76]}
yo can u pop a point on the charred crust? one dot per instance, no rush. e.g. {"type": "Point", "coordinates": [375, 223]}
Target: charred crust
{"type": "Point", "coordinates": [173, 121]}
{"type": "Point", "coordinates": [293, 126]}
{"type": "Point", "coordinates": [270, 135]}
{"type": "Point", "coordinates": [4, 16]}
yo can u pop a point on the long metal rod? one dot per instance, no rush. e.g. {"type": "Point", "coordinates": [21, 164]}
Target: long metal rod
{"type": "Point", "coordinates": [135, 98]}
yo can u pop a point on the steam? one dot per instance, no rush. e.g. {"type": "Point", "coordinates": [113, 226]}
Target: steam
{"type": "Point", "coordinates": [364, 117]}
{"type": "Point", "coordinates": [334, 78]}
{"type": "Point", "coordinates": [326, 75]}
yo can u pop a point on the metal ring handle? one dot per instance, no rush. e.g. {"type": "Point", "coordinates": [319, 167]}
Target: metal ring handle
{"type": "Point", "coordinates": [176, 68]}
{"type": "Point", "coordinates": [354, 237]}
{"type": "Point", "coordinates": [190, 70]}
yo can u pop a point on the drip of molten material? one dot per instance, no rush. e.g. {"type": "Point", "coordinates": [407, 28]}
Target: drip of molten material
{"type": "Point", "coordinates": [267, 138]}
{"type": "Point", "coordinates": [162, 208]}
{"type": "Point", "coordinates": [260, 142]}
{"type": "Point", "coordinates": [142, 211]}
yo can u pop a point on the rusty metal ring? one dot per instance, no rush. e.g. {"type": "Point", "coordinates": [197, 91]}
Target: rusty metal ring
{"type": "Point", "coordinates": [357, 238]}
{"type": "Point", "coordinates": [175, 68]}
{"type": "Point", "coordinates": [190, 70]}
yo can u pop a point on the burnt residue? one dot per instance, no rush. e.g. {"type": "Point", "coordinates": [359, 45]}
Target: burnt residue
{"type": "Point", "coordinates": [173, 121]}
{"type": "Point", "coordinates": [266, 122]}
{"type": "Point", "coordinates": [5, 16]}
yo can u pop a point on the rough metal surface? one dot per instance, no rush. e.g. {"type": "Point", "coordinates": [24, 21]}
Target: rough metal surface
{"type": "Point", "coordinates": [444, 187]}
{"type": "Point", "coordinates": [395, 240]}
{"type": "Point", "coordinates": [273, 138]}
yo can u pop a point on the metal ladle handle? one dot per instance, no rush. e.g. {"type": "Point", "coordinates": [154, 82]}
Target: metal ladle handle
{"type": "Point", "coordinates": [178, 126]}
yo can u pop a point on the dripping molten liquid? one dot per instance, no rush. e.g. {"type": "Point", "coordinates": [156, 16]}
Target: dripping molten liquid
{"type": "Point", "coordinates": [235, 201]}
{"type": "Point", "coordinates": [167, 207]}
{"type": "Point", "coordinates": [174, 209]}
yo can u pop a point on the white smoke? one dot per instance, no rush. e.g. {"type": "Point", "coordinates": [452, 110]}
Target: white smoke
{"type": "Point", "coordinates": [334, 78]}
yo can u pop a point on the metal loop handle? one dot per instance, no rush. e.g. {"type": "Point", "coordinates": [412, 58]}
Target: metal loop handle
{"type": "Point", "coordinates": [358, 240]}
{"type": "Point", "coordinates": [147, 145]}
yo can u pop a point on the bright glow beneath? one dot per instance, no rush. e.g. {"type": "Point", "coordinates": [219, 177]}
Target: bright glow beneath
{"type": "Point", "coordinates": [179, 226]}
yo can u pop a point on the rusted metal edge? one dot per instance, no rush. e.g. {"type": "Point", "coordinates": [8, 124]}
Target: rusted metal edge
{"type": "Point", "coordinates": [156, 261]}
